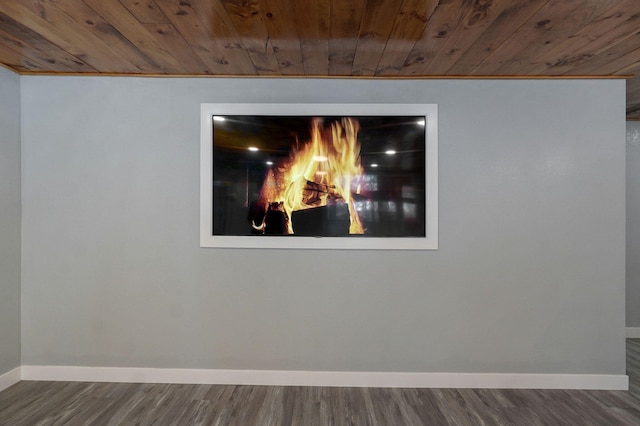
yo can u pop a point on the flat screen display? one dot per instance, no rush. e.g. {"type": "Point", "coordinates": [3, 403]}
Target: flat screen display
{"type": "Point", "coordinates": [346, 176]}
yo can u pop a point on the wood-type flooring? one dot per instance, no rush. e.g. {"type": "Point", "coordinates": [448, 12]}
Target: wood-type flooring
{"type": "Point", "coordinates": [31, 403]}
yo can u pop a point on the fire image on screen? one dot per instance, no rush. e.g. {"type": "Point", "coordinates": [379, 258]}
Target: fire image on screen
{"type": "Point", "coordinates": [320, 176]}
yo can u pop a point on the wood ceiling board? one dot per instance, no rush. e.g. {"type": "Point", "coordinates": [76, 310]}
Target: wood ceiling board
{"type": "Point", "coordinates": [444, 21]}
{"type": "Point", "coordinates": [94, 24]}
{"type": "Point", "coordinates": [616, 25]}
{"type": "Point", "coordinates": [514, 16]}
{"type": "Point", "coordinates": [56, 26]}
{"type": "Point", "coordinates": [171, 39]}
{"type": "Point", "coordinates": [277, 17]}
{"type": "Point", "coordinates": [476, 21]}
{"type": "Point", "coordinates": [145, 11]}
{"type": "Point", "coordinates": [29, 57]}
{"type": "Point", "coordinates": [34, 46]}
{"type": "Point", "coordinates": [193, 34]}
{"type": "Point", "coordinates": [633, 108]}
{"type": "Point", "coordinates": [344, 30]}
{"type": "Point", "coordinates": [121, 19]}
{"type": "Point", "coordinates": [408, 28]}
{"type": "Point", "coordinates": [312, 18]}
{"type": "Point", "coordinates": [633, 86]}
{"type": "Point", "coordinates": [375, 29]}
{"type": "Point", "coordinates": [17, 61]}
{"type": "Point", "coordinates": [551, 25]}
{"type": "Point", "coordinates": [246, 18]}
{"type": "Point", "coordinates": [217, 28]}
{"type": "Point", "coordinates": [633, 98]}
{"type": "Point", "coordinates": [620, 58]}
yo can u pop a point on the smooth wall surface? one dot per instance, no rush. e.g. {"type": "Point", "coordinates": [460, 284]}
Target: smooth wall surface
{"type": "Point", "coordinates": [633, 224]}
{"type": "Point", "coordinates": [529, 276]}
{"type": "Point", "coordinates": [9, 220]}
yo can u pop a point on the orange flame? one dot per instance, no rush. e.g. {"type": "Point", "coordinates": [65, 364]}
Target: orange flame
{"type": "Point", "coordinates": [322, 171]}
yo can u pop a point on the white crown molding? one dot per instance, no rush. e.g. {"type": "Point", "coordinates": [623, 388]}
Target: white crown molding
{"type": "Point", "coordinates": [329, 378]}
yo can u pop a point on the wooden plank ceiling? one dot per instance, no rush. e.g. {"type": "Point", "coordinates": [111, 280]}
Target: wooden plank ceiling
{"type": "Point", "coordinates": [376, 38]}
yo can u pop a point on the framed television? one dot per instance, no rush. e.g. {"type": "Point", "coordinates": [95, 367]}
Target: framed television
{"type": "Point", "coordinates": [319, 176]}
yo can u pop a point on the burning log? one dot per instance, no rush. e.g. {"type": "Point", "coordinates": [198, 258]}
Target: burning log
{"type": "Point", "coordinates": [314, 192]}
{"type": "Point", "coordinates": [327, 221]}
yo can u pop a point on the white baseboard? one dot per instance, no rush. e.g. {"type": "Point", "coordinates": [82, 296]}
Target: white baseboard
{"type": "Point", "coordinates": [10, 378]}
{"type": "Point", "coordinates": [633, 332]}
{"type": "Point", "coordinates": [329, 378]}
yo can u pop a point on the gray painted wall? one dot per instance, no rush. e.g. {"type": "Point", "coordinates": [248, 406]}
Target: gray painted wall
{"type": "Point", "coordinates": [633, 224]}
{"type": "Point", "coordinates": [9, 220]}
{"type": "Point", "coordinates": [529, 277]}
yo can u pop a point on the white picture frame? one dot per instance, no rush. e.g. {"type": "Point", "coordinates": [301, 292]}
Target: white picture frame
{"type": "Point", "coordinates": [428, 114]}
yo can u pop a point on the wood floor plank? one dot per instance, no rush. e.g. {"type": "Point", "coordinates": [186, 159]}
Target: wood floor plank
{"type": "Point", "coordinates": [627, 416]}
{"type": "Point", "coordinates": [385, 409]}
{"type": "Point", "coordinates": [584, 409]}
{"type": "Point", "coordinates": [521, 416]}
{"type": "Point", "coordinates": [427, 408]}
